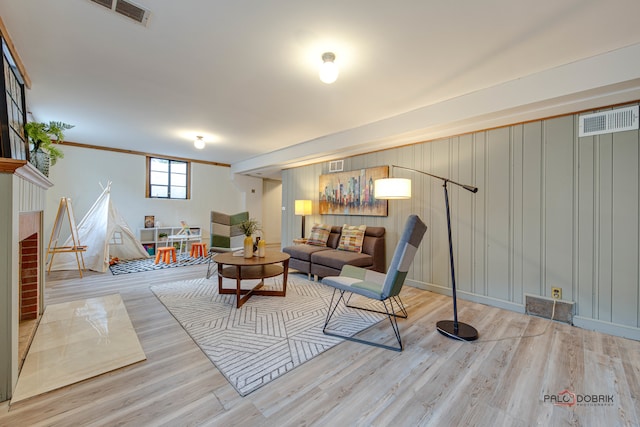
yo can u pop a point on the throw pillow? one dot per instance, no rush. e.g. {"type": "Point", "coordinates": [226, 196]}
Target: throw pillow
{"type": "Point", "coordinates": [351, 238]}
{"type": "Point", "coordinates": [319, 235]}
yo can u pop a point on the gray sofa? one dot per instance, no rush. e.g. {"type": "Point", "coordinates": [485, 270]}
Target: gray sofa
{"type": "Point", "coordinates": [323, 261]}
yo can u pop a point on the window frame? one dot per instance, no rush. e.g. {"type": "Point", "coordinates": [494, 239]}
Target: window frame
{"type": "Point", "coordinates": [170, 160]}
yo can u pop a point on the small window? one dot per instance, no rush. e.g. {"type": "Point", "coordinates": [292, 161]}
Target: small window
{"type": "Point", "coordinates": [167, 179]}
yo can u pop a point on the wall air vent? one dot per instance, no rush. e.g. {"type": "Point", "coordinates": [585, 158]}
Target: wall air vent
{"type": "Point", "coordinates": [617, 120]}
{"type": "Point", "coordinates": [126, 8]}
{"type": "Point", "coordinates": [336, 166]}
{"type": "Point", "coordinates": [132, 11]}
{"type": "Point", "coordinates": [106, 3]}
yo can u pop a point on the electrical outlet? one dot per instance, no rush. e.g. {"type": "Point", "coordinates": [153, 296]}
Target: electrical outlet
{"type": "Point", "coordinates": [556, 293]}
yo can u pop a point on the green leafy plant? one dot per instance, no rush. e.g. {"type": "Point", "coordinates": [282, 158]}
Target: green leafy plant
{"type": "Point", "coordinates": [249, 227]}
{"type": "Point", "coordinates": [45, 136]}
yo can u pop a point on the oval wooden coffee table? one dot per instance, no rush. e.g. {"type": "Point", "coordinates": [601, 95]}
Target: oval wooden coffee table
{"type": "Point", "coordinates": [241, 268]}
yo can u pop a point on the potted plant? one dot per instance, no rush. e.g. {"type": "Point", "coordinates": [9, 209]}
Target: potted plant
{"type": "Point", "coordinates": [249, 227]}
{"type": "Point", "coordinates": [43, 138]}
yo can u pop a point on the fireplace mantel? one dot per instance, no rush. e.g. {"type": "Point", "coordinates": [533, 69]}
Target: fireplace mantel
{"type": "Point", "coordinates": [26, 171]}
{"type": "Point", "coordinates": [10, 165]}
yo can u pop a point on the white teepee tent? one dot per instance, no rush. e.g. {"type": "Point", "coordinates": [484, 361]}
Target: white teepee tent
{"type": "Point", "coordinates": [106, 234]}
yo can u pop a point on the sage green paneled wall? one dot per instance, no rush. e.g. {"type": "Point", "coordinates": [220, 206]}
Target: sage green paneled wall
{"type": "Point", "coordinates": [552, 210]}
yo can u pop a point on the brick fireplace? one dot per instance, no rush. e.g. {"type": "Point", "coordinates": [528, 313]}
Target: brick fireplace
{"type": "Point", "coordinates": [29, 267]}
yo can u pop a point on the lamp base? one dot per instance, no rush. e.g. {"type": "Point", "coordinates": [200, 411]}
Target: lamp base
{"type": "Point", "coordinates": [463, 332]}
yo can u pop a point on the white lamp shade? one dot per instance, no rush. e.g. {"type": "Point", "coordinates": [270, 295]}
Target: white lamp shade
{"type": "Point", "coordinates": [303, 207]}
{"type": "Point", "coordinates": [392, 188]}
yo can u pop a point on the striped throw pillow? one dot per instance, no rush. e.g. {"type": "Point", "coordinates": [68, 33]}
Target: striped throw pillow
{"type": "Point", "coordinates": [319, 235]}
{"type": "Point", "coordinates": [351, 238]}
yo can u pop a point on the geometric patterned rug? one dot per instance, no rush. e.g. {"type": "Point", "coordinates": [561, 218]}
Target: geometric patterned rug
{"type": "Point", "coordinates": [148, 264]}
{"type": "Point", "coordinates": [268, 336]}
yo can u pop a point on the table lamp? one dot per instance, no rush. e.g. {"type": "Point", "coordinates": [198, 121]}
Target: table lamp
{"type": "Point", "coordinates": [303, 207]}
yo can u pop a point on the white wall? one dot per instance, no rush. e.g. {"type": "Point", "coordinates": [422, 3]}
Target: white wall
{"type": "Point", "coordinates": [272, 211]}
{"type": "Point", "coordinates": [79, 173]}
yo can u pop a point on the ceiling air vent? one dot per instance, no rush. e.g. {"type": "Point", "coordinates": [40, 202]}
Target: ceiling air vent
{"type": "Point", "coordinates": [126, 8]}
{"type": "Point", "coordinates": [617, 120]}
{"type": "Point", "coordinates": [336, 166]}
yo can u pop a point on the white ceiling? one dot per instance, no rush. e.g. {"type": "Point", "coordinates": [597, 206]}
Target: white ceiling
{"type": "Point", "coordinates": [243, 73]}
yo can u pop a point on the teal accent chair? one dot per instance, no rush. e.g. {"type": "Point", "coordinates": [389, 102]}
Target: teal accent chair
{"type": "Point", "coordinates": [381, 287]}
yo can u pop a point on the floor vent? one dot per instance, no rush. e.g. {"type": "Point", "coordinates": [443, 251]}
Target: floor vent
{"type": "Point", "coordinates": [543, 307]}
{"type": "Point", "coordinates": [126, 8]}
{"type": "Point", "coordinates": [617, 120]}
{"type": "Point", "coordinates": [336, 166]}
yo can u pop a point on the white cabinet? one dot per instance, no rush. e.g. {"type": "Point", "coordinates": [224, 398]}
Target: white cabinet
{"type": "Point", "coordinates": [154, 237]}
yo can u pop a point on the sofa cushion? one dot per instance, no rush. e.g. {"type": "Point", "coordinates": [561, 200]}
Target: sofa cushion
{"type": "Point", "coordinates": [334, 237]}
{"type": "Point", "coordinates": [301, 266]}
{"type": "Point", "coordinates": [303, 252]}
{"type": "Point", "coordinates": [319, 235]}
{"type": "Point", "coordinates": [336, 259]}
{"type": "Point", "coordinates": [351, 238]}
{"type": "Point", "coordinates": [375, 232]}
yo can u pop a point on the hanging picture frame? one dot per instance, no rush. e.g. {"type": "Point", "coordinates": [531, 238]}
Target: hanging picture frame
{"type": "Point", "coordinates": [352, 193]}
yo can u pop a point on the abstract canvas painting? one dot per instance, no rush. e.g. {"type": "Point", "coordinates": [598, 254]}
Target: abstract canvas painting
{"type": "Point", "coordinates": [352, 193]}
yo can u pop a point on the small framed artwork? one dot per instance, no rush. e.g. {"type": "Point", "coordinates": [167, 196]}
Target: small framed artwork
{"type": "Point", "coordinates": [149, 221]}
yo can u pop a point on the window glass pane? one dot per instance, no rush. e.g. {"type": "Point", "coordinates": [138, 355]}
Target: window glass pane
{"type": "Point", "coordinates": [178, 192]}
{"type": "Point", "coordinates": [168, 178]}
{"type": "Point", "coordinates": [178, 167]}
{"type": "Point", "coordinates": [178, 179]}
{"type": "Point", "coordinates": [159, 178]}
{"type": "Point", "coordinates": [160, 165]}
{"type": "Point", "coordinates": [159, 191]}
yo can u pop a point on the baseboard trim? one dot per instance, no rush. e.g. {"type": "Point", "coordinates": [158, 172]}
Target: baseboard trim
{"type": "Point", "coordinates": [614, 329]}
{"type": "Point", "coordinates": [607, 327]}
{"type": "Point", "coordinates": [480, 299]}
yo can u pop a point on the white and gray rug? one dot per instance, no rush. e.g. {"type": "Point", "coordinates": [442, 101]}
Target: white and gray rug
{"type": "Point", "coordinates": [268, 336]}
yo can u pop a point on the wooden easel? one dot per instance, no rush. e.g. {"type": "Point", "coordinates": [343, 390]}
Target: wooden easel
{"type": "Point", "coordinates": [66, 208]}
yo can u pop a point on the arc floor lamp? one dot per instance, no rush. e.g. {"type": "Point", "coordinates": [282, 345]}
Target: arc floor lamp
{"type": "Point", "coordinates": [400, 188]}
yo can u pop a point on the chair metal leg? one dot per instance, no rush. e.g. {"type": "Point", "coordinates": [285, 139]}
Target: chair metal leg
{"type": "Point", "coordinates": [212, 267]}
{"type": "Point", "coordinates": [390, 314]}
{"type": "Point", "coordinates": [332, 308]}
{"type": "Point", "coordinates": [393, 319]}
{"type": "Point", "coordinates": [398, 302]}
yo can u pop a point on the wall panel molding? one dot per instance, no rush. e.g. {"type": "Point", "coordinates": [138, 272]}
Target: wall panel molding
{"type": "Point", "coordinates": [552, 210]}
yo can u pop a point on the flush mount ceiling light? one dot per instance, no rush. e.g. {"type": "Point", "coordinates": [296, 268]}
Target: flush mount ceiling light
{"type": "Point", "coordinates": [328, 69]}
{"type": "Point", "coordinates": [199, 143]}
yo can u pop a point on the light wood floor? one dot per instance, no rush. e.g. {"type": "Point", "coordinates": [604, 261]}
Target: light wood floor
{"type": "Point", "coordinates": [500, 380]}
